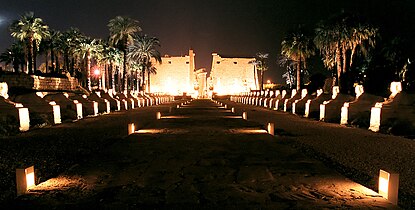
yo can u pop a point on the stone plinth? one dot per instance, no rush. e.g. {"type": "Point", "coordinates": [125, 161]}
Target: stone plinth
{"type": "Point", "coordinates": [68, 107]}
{"type": "Point", "coordinates": [330, 111]}
{"type": "Point", "coordinates": [294, 97]}
{"type": "Point", "coordinates": [40, 110]}
{"type": "Point", "coordinates": [13, 117]}
{"type": "Point", "coordinates": [125, 103]}
{"type": "Point", "coordinates": [134, 99]}
{"type": "Point", "coordinates": [40, 83]}
{"type": "Point", "coordinates": [312, 106]}
{"type": "Point", "coordinates": [298, 107]}
{"type": "Point", "coordinates": [88, 107]}
{"type": "Point", "coordinates": [357, 112]}
{"type": "Point", "coordinates": [103, 104]}
{"type": "Point", "coordinates": [396, 115]}
{"type": "Point", "coordinates": [279, 102]}
{"type": "Point", "coordinates": [114, 103]}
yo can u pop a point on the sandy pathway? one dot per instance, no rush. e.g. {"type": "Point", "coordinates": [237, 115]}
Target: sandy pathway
{"type": "Point", "coordinates": [201, 156]}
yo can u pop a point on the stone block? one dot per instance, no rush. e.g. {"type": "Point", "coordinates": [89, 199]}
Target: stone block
{"type": "Point", "coordinates": [68, 108]}
{"type": "Point", "coordinates": [312, 106]}
{"type": "Point", "coordinates": [330, 111]}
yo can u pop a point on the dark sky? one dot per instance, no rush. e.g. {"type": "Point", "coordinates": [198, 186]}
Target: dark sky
{"type": "Point", "coordinates": [229, 27]}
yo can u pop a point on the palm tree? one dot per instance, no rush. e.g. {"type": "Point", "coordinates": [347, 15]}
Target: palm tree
{"type": "Point", "coordinates": [261, 66]}
{"type": "Point", "coordinates": [338, 39]}
{"type": "Point", "coordinates": [290, 73]}
{"type": "Point", "coordinates": [115, 59]}
{"type": "Point", "coordinates": [56, 48]}
{"type": "Point", "coordinates": [89, 49]}
{"type": "Point", "coordinates": [143, 50]}
{"type": "Point", "coordinates": [13, 55]}
{"type": "Point", "coordinates": [31, 30]}
{"type": "Point", "coordinates": [297, 47]}
{"type": "Point", "coordinates": [122, 31]}
{"type": "Point", "coordinates": [73, 38]}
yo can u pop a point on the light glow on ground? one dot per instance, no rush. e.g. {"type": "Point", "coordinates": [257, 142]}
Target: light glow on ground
{"type": "Point", "coordinates": [249, 131]}
{"type": "Point", "coordinates": [174, 117]}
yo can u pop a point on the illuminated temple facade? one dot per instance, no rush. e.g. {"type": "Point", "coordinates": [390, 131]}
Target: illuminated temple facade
{"type": "Point", "coordinates": [176, 75]}
{"type": "Point", "coordinates": [230, 75]}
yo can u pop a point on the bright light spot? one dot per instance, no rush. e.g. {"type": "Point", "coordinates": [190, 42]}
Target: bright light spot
{"type": "Point", "coordinates": [144, 131]}
{"type": "Point", "coordinates": [383, 187]}
{"type": "Point", "coordinates": [30, 179]}
{"type": "Point", "coordinates": [233, 117]}
{"type": "Point", "coordinates": [271, 128]}
{"type": "Point", "coordinates": [249, 131]}
{"type": "Point", "coordinates": [61, 183]}
{"type": "Point", "coordinates": [24, 119]}
{"type": "Point", "coordinates": [97, 72]}
{"type": "Point", "coordinates": [395, 88]}
{"type": "Point", "coordinates": [174, 117]}
{"type": "Point", "coordinates": [244, 116]}
{"type": "Point", "coordinates": [56, 114]}
{"type": "Point", "coordinates": [131, 128]}
{"type": "Point", "coordinates": [268, 81]}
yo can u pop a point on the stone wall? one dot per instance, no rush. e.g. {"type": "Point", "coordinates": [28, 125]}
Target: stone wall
{"type": "Point", "coordinates": [232, 75]}
{"type": "Point", "coordinates": [175, 75]}
{"type": "Point", "coordinates": [39, 83]}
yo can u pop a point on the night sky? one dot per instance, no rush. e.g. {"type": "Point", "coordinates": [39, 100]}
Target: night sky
{"type": "Point", "coordinates": [231, 27]}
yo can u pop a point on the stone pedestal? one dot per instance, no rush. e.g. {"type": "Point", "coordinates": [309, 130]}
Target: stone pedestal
{"type": "Point", "coordinates": [396, 115]}
{"type": "Point", "coordinates": [15, 116]}
{"type": "Point", "coordinates": [279, 102]}
{"type": "Point", "coordinates": [357, 112]}
{"type": "Point", "coordinates": [41, 111]}
{"type": "Point", "coordinates": [312, 106]}
{"type": "Point", "coordinates": [67, 106]}
{"type": "Point", "coordinates": [114, 103]}
{"type": "Point", "coordinates": [298, 106]}
{"type": "Point", "coordinates": [88, 107]}
{"type": "Point", "coordinates": [330, 111]}
{"type": "Point", "coordinates": [125, 102]}
{"type": "Point", "coordinates": [104, 105]}
{"type": "Point", "coordinates": [295, 96]}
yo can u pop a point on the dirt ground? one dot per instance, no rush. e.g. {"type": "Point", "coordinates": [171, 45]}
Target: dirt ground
{"type": "Point", "coordinates": [201, 156]}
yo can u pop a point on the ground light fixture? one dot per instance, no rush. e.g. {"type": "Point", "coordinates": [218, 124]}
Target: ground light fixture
{"type": "Point", "coordinates": [25, 179]}
{"type": "Point", "coordinates": [388, 186]}
{"type": "Point", "coordinates": [131, 128]}
{"type": "Point", "coordinates": [244, 115]}
{"type": "Point", "coordinates": [270, 128]}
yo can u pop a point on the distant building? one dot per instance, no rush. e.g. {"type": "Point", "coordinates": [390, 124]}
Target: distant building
{"type": "Point", "coordinates": [177, 75]}
{"type": "Point", "coordinates": [230, 75]}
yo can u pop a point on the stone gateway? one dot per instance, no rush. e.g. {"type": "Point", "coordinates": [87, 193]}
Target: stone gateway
{"type": "Point", "coordinates": [177, 75]}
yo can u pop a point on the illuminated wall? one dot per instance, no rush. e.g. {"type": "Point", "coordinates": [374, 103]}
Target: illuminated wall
{"type": "Point", "coordinates": [232, 75]}
{"type": "Point", "coordinates": [175, 75]}
{"type": "Point", "coordinates": [38, 82]}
